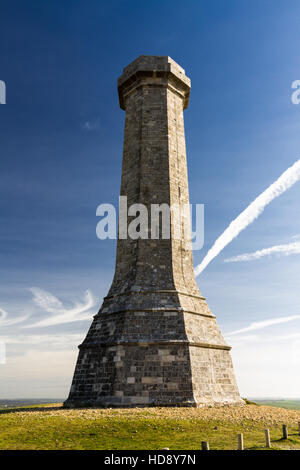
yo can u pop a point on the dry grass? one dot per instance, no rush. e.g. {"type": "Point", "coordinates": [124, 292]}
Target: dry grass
{"type": "Point", "coordinates": [258, 414]}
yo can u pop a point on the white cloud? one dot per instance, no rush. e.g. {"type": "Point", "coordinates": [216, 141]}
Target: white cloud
{"type": "Point", "coordinates": [267, 368]}
{"type": "Point", "coordinates": [266, 364]}
{"type": "Point", "coordinates": [4, 322]}
{"type": "Point", "coordinates": [92, 124]}
{"type": "Point", "coordinates": [42, 374]}
{"type": "Point", "coordinates": [254, 210]}
{"type": "Point", "coordinates": [60, 314]}
{"type": "Point", "coordinates": [285, 250]}
{"type": "Point", "coordinates": [59, 341]}
{"type": "Point", "coordinates": [264, 324]}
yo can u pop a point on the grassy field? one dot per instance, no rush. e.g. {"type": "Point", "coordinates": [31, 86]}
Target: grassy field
{"type": "Point", "coordinates": [52, 427]}
{"type": "Point", "coordinates": [288, 404]}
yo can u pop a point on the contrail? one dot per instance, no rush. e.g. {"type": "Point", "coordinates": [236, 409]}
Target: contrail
{"type": "Point", "coordinates": [264, 324]}
{"type": "Point", "coordinates": [284, 182]}
{"type": "Point", "coordinates": [286, 250]}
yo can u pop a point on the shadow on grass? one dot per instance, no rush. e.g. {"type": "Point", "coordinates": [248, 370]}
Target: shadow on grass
{"type": "Point", "coordinates": [289, 439]}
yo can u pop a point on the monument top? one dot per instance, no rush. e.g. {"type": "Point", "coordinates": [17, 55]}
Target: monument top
{"type": "Point", "coordinates": [153, 67]}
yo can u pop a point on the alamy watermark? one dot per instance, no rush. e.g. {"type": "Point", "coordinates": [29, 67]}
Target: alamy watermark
{"type": "Point", "coordinates": [2, 353]}
{"type": "Point", "coordinates": [158, 221]}
{"type": "Point", "coordinates": [295, 97]}
{"type": "Point", "coordinates": [2, 92]}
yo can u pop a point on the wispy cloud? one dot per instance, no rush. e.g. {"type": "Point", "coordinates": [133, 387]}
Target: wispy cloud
{"type": "Point", "coordinates": [284, 182]}
{"type": "Point", "coordinates": [260, 325]}
{"type": "Point", "coordinates": [4, 322]}
{"type": "Point", "coordinates": [284, 250]}
{"type": "Point", "coordinates": [60, 314]}
{"type": "Point", "coordinates": [58, 341]}
{"type": "Point", "coordinates": [92, 124]}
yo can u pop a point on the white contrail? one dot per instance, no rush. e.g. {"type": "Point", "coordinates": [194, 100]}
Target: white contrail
{"type": "Point", "coordinates": [285, 250]}
{"type": "Point", "coordinates": [284, 182]}
{"type": "Point", "coordinates": [260, 325]}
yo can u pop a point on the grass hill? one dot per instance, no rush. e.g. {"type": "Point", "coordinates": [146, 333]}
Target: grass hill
{"type": "Point", "coordinates": [53, 427]}
{"type": "Point", "coordinates": [280, 403]}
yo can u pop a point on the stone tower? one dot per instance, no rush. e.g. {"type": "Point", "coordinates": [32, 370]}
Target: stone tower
{"type": "Point", "coordinates": [154, 340]}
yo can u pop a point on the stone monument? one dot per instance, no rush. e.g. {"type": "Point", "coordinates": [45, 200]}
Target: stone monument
{"type": "Point", "coordinates": [154, 340]}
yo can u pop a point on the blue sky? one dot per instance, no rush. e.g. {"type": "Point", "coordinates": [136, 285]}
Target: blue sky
{"type": "Point", "coordinates": [61, 135]}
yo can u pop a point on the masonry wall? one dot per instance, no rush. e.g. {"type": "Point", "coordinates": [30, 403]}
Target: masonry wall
{"type": "Point", "coordinates": [154, 340]}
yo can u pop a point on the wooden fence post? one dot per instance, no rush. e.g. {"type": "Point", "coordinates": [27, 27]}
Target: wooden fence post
{"type": "Point", "coordinates": [285, 431]}
{"type": "Point", "coordinates": [299, 427]}
{"type": "Point", "coordinates": [267, 436]}
{"type": "Point", "coordinates": [204, 445]}
{"type": "Point", "coordinates": [240, 442]}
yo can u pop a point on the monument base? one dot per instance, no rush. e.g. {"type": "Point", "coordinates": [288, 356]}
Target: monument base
{"type": "Point", "coordinates": [152, 372]}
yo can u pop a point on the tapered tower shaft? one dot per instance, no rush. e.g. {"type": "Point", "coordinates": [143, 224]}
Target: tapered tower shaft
{"type": "Point", "coordinates": [154, 91]}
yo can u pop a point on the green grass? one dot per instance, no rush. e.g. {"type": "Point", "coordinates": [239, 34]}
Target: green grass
{"type": "Point", "coordinates": [288, 404]}
{"type": "Point", "coordinates": [48, 427]}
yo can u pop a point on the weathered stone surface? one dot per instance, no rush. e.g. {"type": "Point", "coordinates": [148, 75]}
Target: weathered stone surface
{"type": "Point", "coordinates": [154, 340]}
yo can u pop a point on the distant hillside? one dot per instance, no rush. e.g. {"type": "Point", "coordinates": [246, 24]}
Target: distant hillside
{"type": "Point", "coordinates": [6, 403]}
{"type": "Point", "coordinates": [288, 404]}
